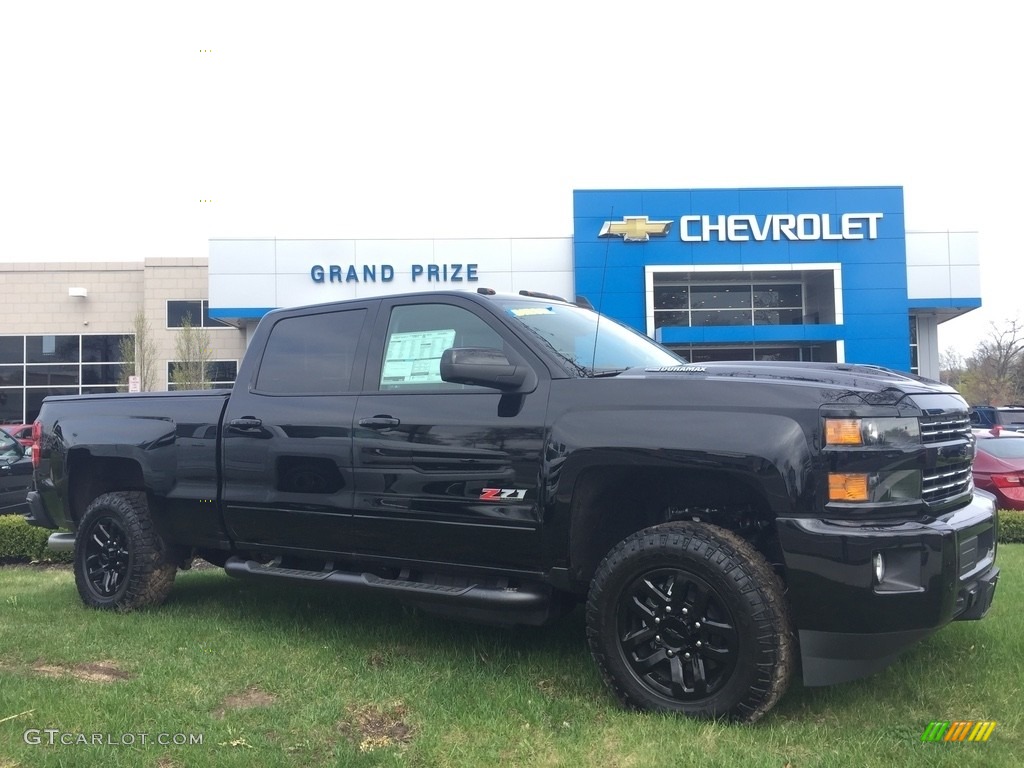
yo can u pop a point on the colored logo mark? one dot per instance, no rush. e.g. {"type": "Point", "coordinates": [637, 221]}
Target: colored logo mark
{"type": "Point", "coordinates": [958, 730]}
{"type": "Point", "coordinates": [635, 229]}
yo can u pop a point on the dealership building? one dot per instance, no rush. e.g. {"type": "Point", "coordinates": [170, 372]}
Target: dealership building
{"type": "Point", "coordinates": [817, 274]}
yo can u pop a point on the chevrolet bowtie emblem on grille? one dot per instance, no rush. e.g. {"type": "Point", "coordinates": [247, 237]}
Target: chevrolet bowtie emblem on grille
{"type": "Point", "coordinates": [635, 229]}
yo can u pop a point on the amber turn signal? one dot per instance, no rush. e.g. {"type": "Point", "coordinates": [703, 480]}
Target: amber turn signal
{"type": "Point", "coordinates": [843, 432]}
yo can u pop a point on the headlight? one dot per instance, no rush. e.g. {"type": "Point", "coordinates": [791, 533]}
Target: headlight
{"type": "Point", "coordinates": [872, 432]}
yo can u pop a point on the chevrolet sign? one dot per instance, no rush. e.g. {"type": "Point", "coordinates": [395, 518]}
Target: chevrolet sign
{"type": "Point", "coordinates": [741, 228]}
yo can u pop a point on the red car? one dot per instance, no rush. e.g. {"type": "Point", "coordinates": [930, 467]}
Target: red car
{"type": "Point", "coordinates": [20, 432]}
{"type": "Point", "coordinates": [999, 466]}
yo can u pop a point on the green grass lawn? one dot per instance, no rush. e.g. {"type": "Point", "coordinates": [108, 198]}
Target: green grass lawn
{"type": "Point", "coordinates": [278, 676]}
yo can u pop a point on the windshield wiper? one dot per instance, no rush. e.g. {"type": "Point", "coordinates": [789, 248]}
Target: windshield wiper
{"type": "Point", "coordinates": [581, 370]}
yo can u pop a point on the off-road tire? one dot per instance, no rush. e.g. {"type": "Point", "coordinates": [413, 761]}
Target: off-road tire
{"type": "Point", "coordinates": [121, 563]}
{"type": "Point", "coordinates": [680, 603]}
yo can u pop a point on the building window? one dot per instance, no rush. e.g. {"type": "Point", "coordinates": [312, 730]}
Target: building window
{"type": "Point", "coordinates": [685, 301]}
{"type": "Point", "coordinates": [220, 374]}
{"type": "Point", "coordinates": [683, 297]}
{"type": "Point", "coordinates": [198, 313]}
{"type": "Point", "coordinates": [33, 367]}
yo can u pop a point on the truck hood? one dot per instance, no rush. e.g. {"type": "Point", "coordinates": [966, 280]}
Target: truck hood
{"type": "Point", "coordinates": [862, 379]}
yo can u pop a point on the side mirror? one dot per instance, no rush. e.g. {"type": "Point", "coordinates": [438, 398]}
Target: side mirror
{"type": "Point", "coordinates": [485, 367]}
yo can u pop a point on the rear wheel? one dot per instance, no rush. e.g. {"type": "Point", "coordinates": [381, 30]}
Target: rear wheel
{"type": "Point", "coordinates": [689, 618]}
{"type": "Point", "coordinates": [120, 560]}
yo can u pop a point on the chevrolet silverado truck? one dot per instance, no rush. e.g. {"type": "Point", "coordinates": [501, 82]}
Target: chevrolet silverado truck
{"type": "Point", "coordinates": [504, 458]}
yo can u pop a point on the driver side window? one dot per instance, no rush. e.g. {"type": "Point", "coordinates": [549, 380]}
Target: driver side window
{"type": "Point", "coordinates": [8, 447]}
{"type": "Point", "coordinates": [418, 334]}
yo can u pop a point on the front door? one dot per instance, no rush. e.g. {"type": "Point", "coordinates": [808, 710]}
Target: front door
{"type": "Point", "coordinates": [445, 472]}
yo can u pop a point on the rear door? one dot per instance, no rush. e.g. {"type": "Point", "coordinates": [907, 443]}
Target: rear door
{"type": "Point", "coordinates": [287, 436]}
{"type": "Point", "coordinates": [446, 472]}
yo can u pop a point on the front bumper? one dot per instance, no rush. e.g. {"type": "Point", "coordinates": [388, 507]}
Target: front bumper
{"type": "Point", "coordinates": [850, 622]}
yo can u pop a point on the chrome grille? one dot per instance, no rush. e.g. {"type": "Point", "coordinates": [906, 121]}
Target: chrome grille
{"type": "Point", "coordinates": [945, 481]}
{"type": "Point", "coordinates": [937, 429]}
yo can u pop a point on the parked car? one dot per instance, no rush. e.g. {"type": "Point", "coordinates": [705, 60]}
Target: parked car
{"type": "Point", "coordinates": [15, 475]}
{"type": "Point", "coordinates": [20, 432]}
{"type": "Point", "coordinates": [1006, 416]}
{"type": "Point", "coordinates": [999, 466]}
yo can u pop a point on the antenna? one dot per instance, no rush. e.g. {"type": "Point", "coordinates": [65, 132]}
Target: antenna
{"type": "Point", "coordinates": [600, 298]}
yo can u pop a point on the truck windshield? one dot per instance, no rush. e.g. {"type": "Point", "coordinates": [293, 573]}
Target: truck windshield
{"type": "Point", "coordinates": [591, 344]}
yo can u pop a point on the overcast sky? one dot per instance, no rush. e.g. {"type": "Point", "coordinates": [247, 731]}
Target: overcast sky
{"type": "Point", "coordinates": [478, 119]}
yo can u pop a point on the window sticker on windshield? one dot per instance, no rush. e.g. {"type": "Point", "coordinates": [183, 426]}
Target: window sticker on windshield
{"type": "Point", "coordinates": [526, 311]}
{"type": "Point", "coordinates": [415, 358]}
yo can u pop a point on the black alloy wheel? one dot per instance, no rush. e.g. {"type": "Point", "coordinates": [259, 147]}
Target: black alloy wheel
{"type": "Point", "coordinates": [121, 562]}
{"type": "Point", "coordinates": [677, 635]}
{"type": "Point", "coordinates": [107, 557]}
{"type": "Point", "coordinates": [689, 618]}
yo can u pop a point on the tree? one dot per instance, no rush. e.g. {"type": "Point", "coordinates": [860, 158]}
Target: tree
{"type": "Point", "coordinates": [994, 374]}
{"type": "Point", "coordinates": [138, 354]}
{"type": "Point", "coordinates": [952, 368]}
{"type": "Point", "coordinates": [192, 356]}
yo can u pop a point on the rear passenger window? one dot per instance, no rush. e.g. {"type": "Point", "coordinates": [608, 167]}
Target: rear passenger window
{"type": "Point", "coordinates": [418, 334]}
{"type": "Point", "coordinates": [311, 354]}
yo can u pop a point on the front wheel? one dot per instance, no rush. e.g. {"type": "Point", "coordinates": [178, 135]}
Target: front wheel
{"type": "Point", "coordinates": [121, 562]}
{"type": "Point", "coordinates": [689, 618]}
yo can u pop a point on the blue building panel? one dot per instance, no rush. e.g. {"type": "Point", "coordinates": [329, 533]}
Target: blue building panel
{"type": "Point", "coordinates": [763, 201]}
{"type": "Point", "coordinates": [804, 252]}
{"type": "Point", "coordinates": [816, 199]}
{"type": "Point", "coordinates": [714, 201]}
{"type": "Point", "coordinates": [590, 282]}
{"type": "Point", "coordinates": [678, 335]}
{"type": "Point", "coordinates": [603, 254]}
{"type": "Point", "coordinates": [875, 277]}
{"type": "Point", "coordinates": [824, 332]}
{"type": "Point", "coordinates": [862, 229]}
{"type": "Point", "coordinates": [802, 333]}
{"type": "Point", "coordinates": [889, 352]}
{"type": "Point", "coordinates": [891, 251]}
{"type": "Point", "coordinates": [888, 200]}
{"type": "Point", "coordinates": [878, 325]}
{"type": "Point", "coordinates": [667, 204]}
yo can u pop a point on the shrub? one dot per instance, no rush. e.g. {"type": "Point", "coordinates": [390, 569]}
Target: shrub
{"type": "Point", "coordinates": [22, 542]}
{"type": "Point", "coordinates": [1011, 526]}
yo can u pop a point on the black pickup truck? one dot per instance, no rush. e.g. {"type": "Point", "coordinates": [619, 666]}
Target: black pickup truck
{"type": "Point", "coordinates": [505, 458]}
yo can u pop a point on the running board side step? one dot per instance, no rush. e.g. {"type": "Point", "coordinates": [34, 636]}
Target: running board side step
{"type": "Point", "coordinates": [527, 604]}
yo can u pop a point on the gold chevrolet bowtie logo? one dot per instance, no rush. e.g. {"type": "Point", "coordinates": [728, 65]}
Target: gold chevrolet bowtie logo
{"type": "Point", "coordinates": [635, 229]}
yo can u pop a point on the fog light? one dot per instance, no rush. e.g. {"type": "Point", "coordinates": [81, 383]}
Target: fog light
{"type": "Point", "coordinates": [879, 563]}
{"type": "Point", "coordinates": [847, 487]}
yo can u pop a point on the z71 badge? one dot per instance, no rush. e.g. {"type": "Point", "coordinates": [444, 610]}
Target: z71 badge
{"type": "Point", "coordinates": [497, 494]}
